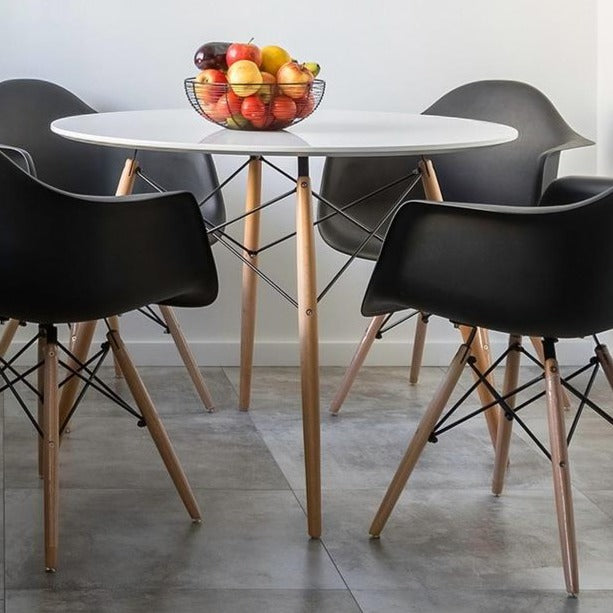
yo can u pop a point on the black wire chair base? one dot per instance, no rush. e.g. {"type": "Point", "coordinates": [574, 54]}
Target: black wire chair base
{"type": "Point", "coordinates": [446, 422]}
{"type": "Point", "coordinates": [85, 371]}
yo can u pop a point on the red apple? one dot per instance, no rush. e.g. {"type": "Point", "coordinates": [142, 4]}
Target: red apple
{"type": "Point", "coordinates": [253, 109]}
{"type": "Point", "coordinates": [228, 105]}
{"type": "Point", "coordinates": [294, 79]}
{"type": "Point", "coordinates": [210, 85]}
{"type": "Point", "coordinates": [305, 106]}
{"type": "Point", "coordinates": [263, 122]}
{"type": "Point", "coordinates": [243, 51]}
{"type": "Point", "coordinates": [283, 108]}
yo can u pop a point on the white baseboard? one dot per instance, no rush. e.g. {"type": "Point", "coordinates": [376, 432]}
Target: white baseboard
{"type": "Point", "coordinates": [331, 353]}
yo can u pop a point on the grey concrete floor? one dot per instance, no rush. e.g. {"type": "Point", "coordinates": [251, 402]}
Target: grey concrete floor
{"type": "Point", "coordinates": [127, 544]}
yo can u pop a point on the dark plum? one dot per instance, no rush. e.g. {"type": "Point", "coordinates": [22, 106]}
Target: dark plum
{"type": "Point", "coordinates": [211, 55]}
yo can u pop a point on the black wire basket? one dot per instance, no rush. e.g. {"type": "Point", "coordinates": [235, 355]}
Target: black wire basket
{"type": "Point", "coordinates": [247, 106]}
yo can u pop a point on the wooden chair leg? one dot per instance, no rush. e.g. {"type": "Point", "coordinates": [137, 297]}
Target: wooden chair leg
{"type": "Point", "coordinates": [51, 439]}
{"type": "Point", "coordinates": [80, 349]}
{"type": "Point", "coordinates": [40, 386]}
{"type": "Point", "coordinates": [356, 363]}
{"type": "Point", "coordinates": [505, 426]}
{"type": "Point", "coordinates": [433, 192]}
{"type": "Point", "coordinates": [537, 343]}
{"type": "Point", "coordinates": [480, 350]}
{"type": "Point", "coordinates": [419, 341]}
{"type": "Point", "coordinates": [154, 425]}
{"type": "Point", "coordinates": [188, 357]}
{"type": "Point", "coordinates": [419, 440]}
{"type": "Point", "coordinates": [561, 472]}
{"type": "Point", "coordinates": [604, 358]}
{"type": "Point", "coordinates": [10, 329]}
{"type": "Point", "coordinates": [114, 324]}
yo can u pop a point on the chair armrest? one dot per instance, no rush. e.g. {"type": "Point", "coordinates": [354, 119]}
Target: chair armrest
{"type": "Point", "coordinates": [20, 157]}
{"type": "Point", "coordinates": [574, 189]}
{"type": "Point", "coordinates": [504, 268]}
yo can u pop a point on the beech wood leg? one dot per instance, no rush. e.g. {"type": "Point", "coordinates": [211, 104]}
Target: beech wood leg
{"type": "Point", "coordinates": [154, 425]}
{"type": "Point", "coordinates": [505, 426]}
{"type": "Point", "coordinates": [251, 240]}
{"type": "Point", "coordinates": [40, 386]}
{"type": "Point", "coordinates": [8, 334]}
{"type": "Point", "coordinates": [480, 346]}
{"type": "Point", "coordinates": [604, 358]}
{"type": "Point", "coordinates": [537, 343]}
{"type": "Point", "coordinates": [114, 323]}
{"type": "Point", "coordinates": [51, 439]}
{"type": "Point", "coordinates": [356, 363]}
{"type": "Point", "coordinates": [483, 362]}
{"type": "Point", "coordinates": [187, 357]}
{"type": "Point", "coordinates": [125, 186]}
{"type": "Point", "coordinates": [419, 341]}
{"type": "Point", "coordinates": [83, 333]}
{"type": "Point", "coordinates": [561, 476]}
{"type": "Point", "coordinates": [309, 357]}
{"type": "Point", "coordinates": [83, 336]}
{"type": "Point", "coordinates": [419, 440]}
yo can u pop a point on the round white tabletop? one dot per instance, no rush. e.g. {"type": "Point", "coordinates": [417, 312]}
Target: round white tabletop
{"type": "Point", "coordinates": [325, 133]}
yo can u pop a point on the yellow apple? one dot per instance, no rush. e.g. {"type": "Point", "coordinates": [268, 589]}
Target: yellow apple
{"type": "Point", "coordinates": [244, 78]}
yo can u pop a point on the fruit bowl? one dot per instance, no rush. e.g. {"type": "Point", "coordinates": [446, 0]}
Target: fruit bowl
{"type": "Point", "coordinates": [247, 106]}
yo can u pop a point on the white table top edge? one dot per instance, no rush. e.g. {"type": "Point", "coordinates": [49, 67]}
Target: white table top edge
{"type": "Point", "coordinates": [325, 133]}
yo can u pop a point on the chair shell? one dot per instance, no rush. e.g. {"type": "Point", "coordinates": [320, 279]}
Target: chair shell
{"type": "Point", "coordinates": [513, 173]}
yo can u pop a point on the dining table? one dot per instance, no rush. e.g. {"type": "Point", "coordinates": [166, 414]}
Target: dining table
{"type": "Point", "coordinates": [326, 133]}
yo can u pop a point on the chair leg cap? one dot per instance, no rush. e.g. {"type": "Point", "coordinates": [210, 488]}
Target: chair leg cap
{"type": "Point", "coordinates": [49, 569]}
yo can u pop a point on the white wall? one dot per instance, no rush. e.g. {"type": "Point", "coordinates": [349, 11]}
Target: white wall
{"type": "Point", "coordinates": [390, 55]}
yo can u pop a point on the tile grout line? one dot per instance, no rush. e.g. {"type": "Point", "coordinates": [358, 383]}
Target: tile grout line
{"type": "Point", "coordinates": [325, 548]}
{"type": "Point", "coordinates": [291, 489]}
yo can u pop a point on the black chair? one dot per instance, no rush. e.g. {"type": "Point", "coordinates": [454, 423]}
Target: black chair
{"type": "Point", "coordinates": [507, 269]}
{"type": "Point", "coordinates": [70, 258]}
{"type": "Point", "coordinates": [513, 174]}
{"type": "Point", "coordinates": [27, 107]}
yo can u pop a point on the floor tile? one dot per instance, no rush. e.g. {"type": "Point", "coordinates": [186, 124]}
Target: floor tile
{"type": "Point", "coordinates": [114, 539]}
{"type": "Point", "coordinates": [170, 388]}
{"type": "Point", "coordinates": [217, 450]}
{"type": "Point", "coordinates": [463, 539]}
{"type": "Point", "coordinates": [161, 600]}
{"type": "Point", "coordinates": [480, 601]}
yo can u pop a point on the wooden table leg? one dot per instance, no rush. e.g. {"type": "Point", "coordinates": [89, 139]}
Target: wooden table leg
{"type": "Point", "coordinates": [480, 346]}
{"type": "Point", "coordinates": [309, 350]}
{"type": "Point", "coordinates": [251, 241]}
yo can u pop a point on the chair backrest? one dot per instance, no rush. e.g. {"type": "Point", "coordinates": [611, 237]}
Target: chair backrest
{"type": "Point", "coordinates": [66, 258]}
{"type": "Point", "coordinates": [514, 173]}
{"type": "Point", "coordinates": [28, 106]}
{"type": "Point", "coordinates": [540, 271]}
